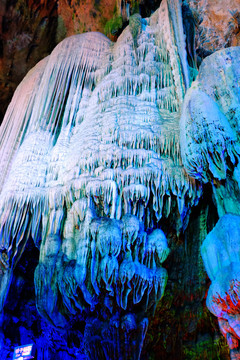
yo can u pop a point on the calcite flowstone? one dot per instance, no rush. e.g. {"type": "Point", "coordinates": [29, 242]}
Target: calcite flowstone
{"type": "Point", "coordinates": [90, 162]}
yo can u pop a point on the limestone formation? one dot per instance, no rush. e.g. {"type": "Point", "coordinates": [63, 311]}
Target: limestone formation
{"type": "Point", "coordinates": [221, 255]}
{"type": "Point", "coordinates": [217, 25]}
{"type": "Point", "coordinates": [107, 153]}
{"type": "Point", "coordinates": [210, 151]}
{"type": "Point", "coordinates": [90, 162]}
{"type": "Point", "coordinates": [210, 128]}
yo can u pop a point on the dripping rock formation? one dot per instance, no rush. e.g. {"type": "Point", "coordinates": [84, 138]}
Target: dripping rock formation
{"type": "Point", "coordinates": [118, 164]}
{"type": "Point", "coordinates": [210, 153]}
{"type": "Point", "coordinates": [29, 30]}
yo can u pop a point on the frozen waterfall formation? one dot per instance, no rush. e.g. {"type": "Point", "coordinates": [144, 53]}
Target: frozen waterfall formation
{"type": "Point", "coordinates": [90, 167]}
{"type": "Point", "coordinates": [90, 163]}
{"type": "Point", "coordinates": [210, 138]}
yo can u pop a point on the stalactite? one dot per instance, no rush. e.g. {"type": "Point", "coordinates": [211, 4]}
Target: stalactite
{"type": "Point", "coordinates": [93, 165]}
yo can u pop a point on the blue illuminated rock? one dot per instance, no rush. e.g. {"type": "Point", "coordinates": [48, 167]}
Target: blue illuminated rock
{"type": "Point", "coordinates": [209, 128]}
{"type": "Point", "coordinates": [221, 256]}
{"type": "Point", "coordinates": [210, 139]}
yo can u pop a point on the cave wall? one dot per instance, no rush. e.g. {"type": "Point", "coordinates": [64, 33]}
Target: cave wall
{"type": "Point", "coordinates": [217, 25]}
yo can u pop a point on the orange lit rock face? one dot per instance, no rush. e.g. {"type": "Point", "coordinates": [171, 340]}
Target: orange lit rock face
{"type": "Point", "coordinates": [218, 23]}
{"type": "Point", "coordinates": [83, 16]}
